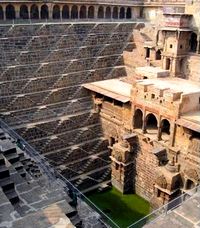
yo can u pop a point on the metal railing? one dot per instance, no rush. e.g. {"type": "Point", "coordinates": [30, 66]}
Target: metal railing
{"type": "Point", "coordinates": [165, 209]}
{"type": "Point", "coordinates": [55, 176]}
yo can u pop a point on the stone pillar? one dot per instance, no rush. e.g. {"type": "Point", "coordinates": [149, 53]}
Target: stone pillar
{"type": "Point", "coordinates": [79, 7]}
{"type": "Point", "coordinates": [29, 11]}
{"type": "Point", "coordinates": [198, 44]}
{"type": "Point", "coordinates": [70, 9]}
{"type": "Point", "coordinates": [4, 12]}
{"type": "Point", "coordinates": [159, 134]}
{"type": "Point", "coordinates": [39, 11]}
{"type": "Point", "coordinates": [87, 7]}
{"type": "Point", "coordinates": [104, 12]}
{"type": "Point", "coordinates": [172, 134]}
{"type": "Point", "coordinates": [96, 12]}
{"type": "Point", "coordinates": [144, 122]}
{"type": "Point", "coordinates": [50, 8]}
{"type": "Point", "coordinates": [111, 12]}
{"type": "Point", "coordinates": [17, 11]}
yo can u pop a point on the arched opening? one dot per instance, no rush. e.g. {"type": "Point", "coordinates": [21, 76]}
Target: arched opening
{"type": "Point", "coordinates": [190, 184]}
{"type": "Point", "coordinates": [181, 66]}
{"type": "Point", "coordinates": [193, 42]}
{"type": "Point", "coordinates": [151, 124]}
{"type": "Point", "coordinates": [108, 12]}
{"type": "Point", "coordinates": [165, 129]}
{"type": "Point", "coordinates": [56, 12]}
{"type": "Point", "coordinates": [74, 12]}
{"type": "Point", "coordinates": [122, 13]}
{"type": "Point", "coordinates": [148, 50]}
{"type": "Point", "coordinates": [100, 12]}
{"type": "Point", "coordinates": [111, 141]}
{"type": "Point", "coordinates": [91, 12]}
{"type": "Point", "coordinates": [128, 13]}
{"type": "Point", "coordinates": [10, 12]}
{"type": "Point", "coordinates": [115, 12]}
{"type": "Point", "coordinates": [23, 13]}
{"type": "Point", "coordinates": [138, 119]}
{"type": "Point", "coordinates": [83, 12]}
{"type": "Point", "coordinates": [168, 64]}
{"type": "Point", "coordinates": [1, 13]}
{"type": "Point", "coordinates": [65, 12]}
{"type": "Point", "coordinates": [44, 12]}
{"type": "Point", "coordinates": [34, 12]}
{"type": "Point", "coordinates": [158, 55]}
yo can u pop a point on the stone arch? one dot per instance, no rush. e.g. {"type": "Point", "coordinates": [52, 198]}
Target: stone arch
{"type": "Point", "coordinates": [189, 184]}
{"type": "Point", "coordinates": [193, 42]}
{"type": "Point", "coordinates": [115, 12]}
{"type": "Point", "coordinates": [165, 129]}
{"type": "Point", "coordinates": [122, 13]}
{"type": "Point", "coordinates": [101, 12]}
{"type": "Point", "coordinates": [74, 12]}
{"type": "Point", "coordinates": [138, 118]}
{"type": "Point", "coordinates": [158, 54]}
{"type": "Point", "coordinates": [108, 12]}
{"type": "Point", "coordinates": [128, 13]}
{"type": "Point", "coordinates": [23, 12]}
{"type": "Point", "coordinates": [91, 12]}
{"type": "Point", "coordinates": [83, 12]}
{"type": "Point", "coordinates": [151, 123]}
{"type": "Point", "coordinates": [44, 14]}
{"type": "Point", "coordinates": [34, 14]}
{"type": "Point", "coordinates": [65, 12]}
{"type": "Point", "coordinates": [1, 13]}
{"type": "Point", "coordinates": [10, 12]}
{"type": "Point", "coordinates": [56, 12]}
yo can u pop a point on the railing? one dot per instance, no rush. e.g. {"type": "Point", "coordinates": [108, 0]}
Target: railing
{"type": "Point", "coordinates": [166, 209]}
{"type": "Point", "coordinates": [55, 176]}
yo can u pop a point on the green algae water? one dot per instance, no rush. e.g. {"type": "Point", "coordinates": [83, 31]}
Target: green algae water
{"type": "Point", "coordinates": [122, 209]}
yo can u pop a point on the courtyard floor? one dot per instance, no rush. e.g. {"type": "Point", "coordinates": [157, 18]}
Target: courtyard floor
{"type": "Point", "coordinates": [122, 209]}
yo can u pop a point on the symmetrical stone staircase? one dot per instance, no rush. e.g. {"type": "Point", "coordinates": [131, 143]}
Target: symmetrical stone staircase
{"type": "Point", "coordinates": [43, 68]}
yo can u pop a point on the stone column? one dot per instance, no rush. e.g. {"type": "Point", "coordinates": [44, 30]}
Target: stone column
{"type": "Point", "coordinates": [144, 122]}
{"type": "Point", "coordinates": [159, 129]}
{"type": "Point", "coordinates": [50, 8]}
{"type": "Point", "coordinates": [198, 44]}
{"type": "Point", "coordinates": [79, 7]}
{"type": "Point", "coordinates": [96, 12]}
{"type": "Point", "coordinates": [17, 11]}
{"type": "Point", "coordinates": [29, 11]}
{"type": "Point", "coordinates": [4, 12]}
{"type": "Point", "coordinates": [172, 134]}
{"type": "Point", "coordinates": [87, 12]}
{"type": "Point", "coordinates": [39, 11]}
{"type": "Point", "coordinates": [70, 9]}
{"type": "Point", "coordinates": [111, 12]}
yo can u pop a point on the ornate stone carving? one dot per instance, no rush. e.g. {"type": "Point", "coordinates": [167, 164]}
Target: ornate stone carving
{"type": "Point", "coordinates": [192, 174]}
{"type": "Point", "coordinates": [161, 181]}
